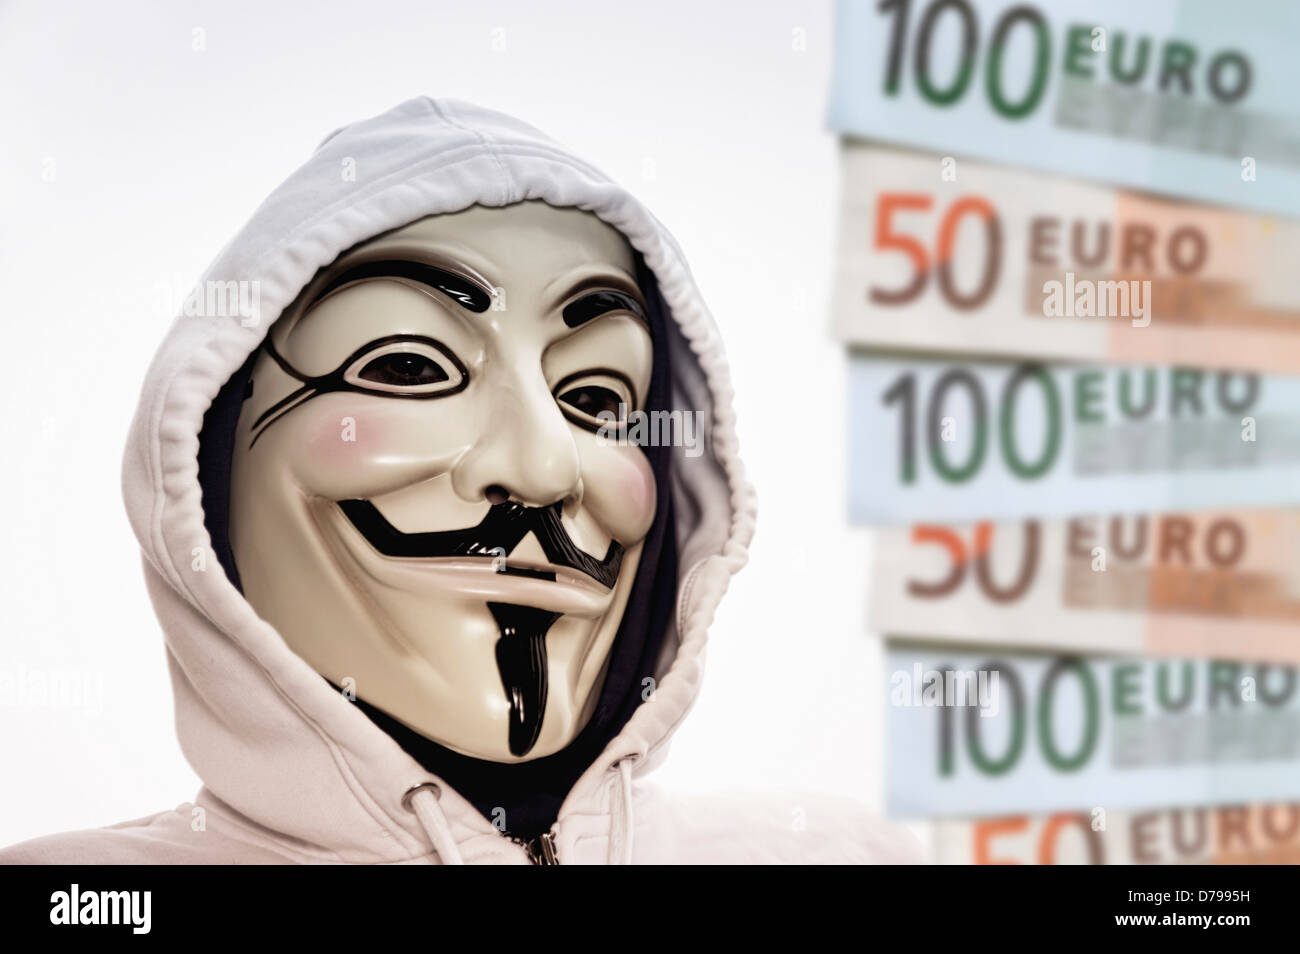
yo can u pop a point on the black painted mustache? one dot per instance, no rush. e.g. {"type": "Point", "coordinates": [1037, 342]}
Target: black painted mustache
{"type": "Point", "coordinates": [500, 531]}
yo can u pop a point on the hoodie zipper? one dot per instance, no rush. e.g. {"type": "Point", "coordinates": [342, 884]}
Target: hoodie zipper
{"type": "Point", "coordinates": [541, 850]}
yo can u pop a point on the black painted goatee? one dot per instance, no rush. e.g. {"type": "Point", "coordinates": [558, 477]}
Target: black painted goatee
{"type": "Point", "coordinates": [521, 660]}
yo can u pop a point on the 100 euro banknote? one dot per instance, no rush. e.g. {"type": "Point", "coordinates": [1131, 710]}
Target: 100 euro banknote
{"type": "Point", "coordinates": [997, 732]}
{"type": "Point", "coordinates": [945, 441]}
{"type": "Point", "coordinates": [1190, 98]}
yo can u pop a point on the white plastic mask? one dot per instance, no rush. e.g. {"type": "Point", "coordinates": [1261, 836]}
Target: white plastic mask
{"type": "Point", "coordinates": [420, 502]}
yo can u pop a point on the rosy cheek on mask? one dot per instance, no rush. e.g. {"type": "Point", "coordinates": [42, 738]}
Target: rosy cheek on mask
{"type": "Point", "coordinates": [619, 489]}
{"type": "Point", "coordinates": [349, 452]}
{"type": "Point", "coordinates": [338, 442]}
{"type": "Point", "coordinates": [338, 454]}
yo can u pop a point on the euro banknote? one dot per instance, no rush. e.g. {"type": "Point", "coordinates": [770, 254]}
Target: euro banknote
{"type": "Point", "coordinates": [1222, 584]}
{"type": "Point", "coordinates": [1191, 98]}
{"type": "Point", "coordinates": [996, 732]}
{"type": "Point", "coordinates": [937, 254]}
{"type": "Point", "coordinates": [936, 440]}
{"type": "Point", "coordinates": [1228, 835]}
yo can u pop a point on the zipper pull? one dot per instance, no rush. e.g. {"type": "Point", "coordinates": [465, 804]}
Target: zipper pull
{"type": "Point", "coordinates": [541, 850]}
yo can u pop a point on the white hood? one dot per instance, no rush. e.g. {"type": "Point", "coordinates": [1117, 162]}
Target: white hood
{"type": "Point", "coordinates": [283, 757]}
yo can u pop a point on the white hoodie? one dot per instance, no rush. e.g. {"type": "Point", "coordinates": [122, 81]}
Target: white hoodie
{"type": "Point", "coordinates": [293, 772]}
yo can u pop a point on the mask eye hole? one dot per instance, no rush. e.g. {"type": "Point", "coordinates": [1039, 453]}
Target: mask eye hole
{"type": "Point", "coordinates": [407, 367]}
{"type": "Point", "coordinates": [594, 399]}
{"type": "Point", "coordinates": [402, 369]}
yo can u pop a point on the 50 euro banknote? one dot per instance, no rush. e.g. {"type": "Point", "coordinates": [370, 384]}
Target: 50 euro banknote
{"type": "Point", "coordinates": [997, 732]}
{"type": "Point", "coordinates": [952, 255]}
{"type": "Point", "coordinates": [1227, 835]}
{"type": "Point", "coordinates": [1222, 584]}
{"type": "Point", "coordinates": [1191, 98]}
{"type": "Point", "coordinates": [948, 441]}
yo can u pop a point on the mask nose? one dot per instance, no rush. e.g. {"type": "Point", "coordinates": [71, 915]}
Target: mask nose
{"type": "Point", "coordinates": [525, 453]}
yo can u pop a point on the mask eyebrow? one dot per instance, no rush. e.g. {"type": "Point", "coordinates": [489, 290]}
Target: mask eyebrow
{"type": "Point", "coordinates": [466, 292]}
{"type": "Point", "coordinates": [606, 294]}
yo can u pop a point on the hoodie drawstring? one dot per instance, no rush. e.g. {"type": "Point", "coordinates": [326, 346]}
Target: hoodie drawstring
{"type": "Point", "coordinates": [620, 825]}
{"type": "Point", "coordinates": [422, 800]}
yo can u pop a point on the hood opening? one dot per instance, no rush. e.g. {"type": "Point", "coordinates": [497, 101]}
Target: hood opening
{"type": "Point", "coordinates": [523, 799]}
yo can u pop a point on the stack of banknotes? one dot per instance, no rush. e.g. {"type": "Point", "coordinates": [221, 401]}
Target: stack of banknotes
{"type": "Point", "coordinates": [1068, 275]}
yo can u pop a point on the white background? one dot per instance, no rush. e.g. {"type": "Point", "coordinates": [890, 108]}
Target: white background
{"type": "Point", "coordinates": [158, 154]}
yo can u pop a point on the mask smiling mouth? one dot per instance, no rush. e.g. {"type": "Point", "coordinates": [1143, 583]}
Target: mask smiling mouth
{"type": "Point", "coordinates": [506, 524]}
{"type": "Point", "coordinates": [572, 581]}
